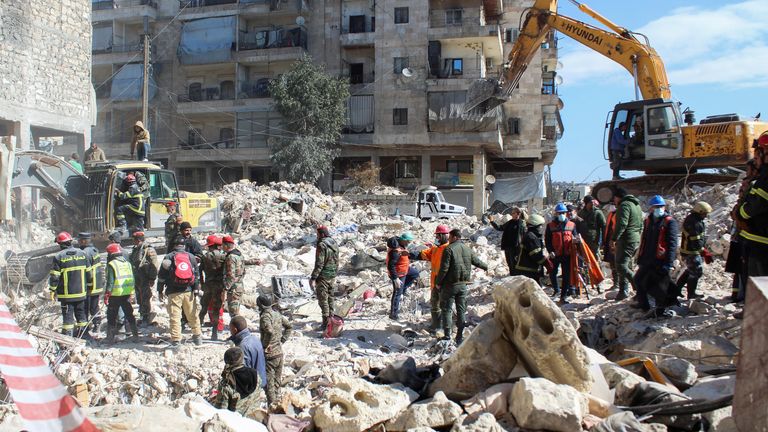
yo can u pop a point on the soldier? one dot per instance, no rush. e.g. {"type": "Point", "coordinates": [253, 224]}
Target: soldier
{"type": "Point", "coordinates": [68, 281]}
{"type": "Point", "coordinates": [144, 261]}
{"type": "Point", "coordinates": [119, 295]}
{"type": "Point", "coordinates": [324, 273]}
{"type": "Point", "coordinates": [275, 330]}
{"type": "Point", "coordinates": [96, 287]}
{"type": "Point", "coordinates": [172, 225]}
{"type": "Point", "coordinates": [234, 272]}
{"type": "Point", "coordinates": [625, 238]}
{"type": "Point", "coordinates": [178, 274]}
{"type": "Point", "coordinates": [131, 202]}
{"type": "Point", "coordinates": [530, 258]}
{"type": "Point", "coordinates": [213, 276]}
{"type": "Point", "coordinates": [238, 389]}
{"type": "Point", "coordinates": [692, 249]}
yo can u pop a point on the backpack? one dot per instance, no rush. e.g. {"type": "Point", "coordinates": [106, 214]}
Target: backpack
{"type": "Point", "coordinates": [183, 273]}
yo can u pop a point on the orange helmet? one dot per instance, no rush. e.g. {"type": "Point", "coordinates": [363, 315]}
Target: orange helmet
{"type": "Point", "coordinates": [114, 248]}
{"type": "Point", "coordinates": [442, 229]}
{"type": "Point", "coordinates": [63, 237]}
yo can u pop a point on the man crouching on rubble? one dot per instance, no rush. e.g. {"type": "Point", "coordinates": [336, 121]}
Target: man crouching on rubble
{"type": "Point", "coordinates": [239, 388]}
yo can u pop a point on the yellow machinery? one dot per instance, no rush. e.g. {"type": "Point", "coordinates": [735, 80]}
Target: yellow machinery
{"type": "Point", "coordinates": [663, 142]}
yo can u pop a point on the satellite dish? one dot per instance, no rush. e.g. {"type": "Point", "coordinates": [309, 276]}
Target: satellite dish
{"type": "Point", "coordinates": [407, 72]}
{"type": "Point", "coordinates": [558, 79]}
{"type": "Point", "coordinates": [300, 20]}
{"type": "Point", "coordinates": [490, 179]}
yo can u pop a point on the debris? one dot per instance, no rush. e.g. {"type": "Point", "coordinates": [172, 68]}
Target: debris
{"type": "Point", "coordinates": [537, 403]}
{"type": "Point", "coordinates": [437, 412]}
{"type": "Point", "coordinates": [679, 371]}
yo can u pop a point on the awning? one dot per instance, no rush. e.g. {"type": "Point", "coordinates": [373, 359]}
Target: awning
{"type": "Point", "coordinates": [127, 83]}
{"type": "Point", "coordinates": [446, 114]}
{"type": "Point", "coordinates": [209, 40]}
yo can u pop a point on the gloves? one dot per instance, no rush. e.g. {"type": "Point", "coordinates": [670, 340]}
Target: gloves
{"type": "Point", "coordinates": [198, 292]}
{"type": "Point", "coordinates": [106, 298]}
{"type": "Point", "coordinates": [397, 283]}
{"type": "Point", "coordinates": [707, 255]}
{"type": "Point", "coordinates": [53, 295]}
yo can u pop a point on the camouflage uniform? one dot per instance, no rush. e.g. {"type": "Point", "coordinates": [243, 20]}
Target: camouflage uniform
{"type": "Point", "coordinates": [326, 263]}
{"type": "Point", "coordinates": [275, 330]}
{"type": "Point", "coordinates": [171, 231]}
{"type": "Point", "coordinates": [234, 271]}
{"type": "Point", "coordinates": [229, 398]}
{"type": "Point", "coordinates": [144, 262]}
{"type": "Point", "coordinates": [213, 267]}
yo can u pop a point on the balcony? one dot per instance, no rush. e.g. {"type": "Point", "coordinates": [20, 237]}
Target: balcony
{"type": "Point", "coordinates": [361, 83]}
{"type": "Point", "coordinates": [253, 96]}
{"type": "Point", "coordinates": [271, 8]}
{"type": "Point", "coordinates": [255, 48]}
{"type": "Point", "coordinates": [450, 74]}
{"type": "Point", "coordinates": [222, 150]}
{"type": "Point", "coordinates": [358, 31]}
{"type": "Point", "coordinates": [111, 54]}
{"type": "Point", "coordinates": [127, 11]}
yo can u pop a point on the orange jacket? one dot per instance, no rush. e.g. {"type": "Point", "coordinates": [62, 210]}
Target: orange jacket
{"type": "Point", "coordinates": [433, 255]}
{"type": "Point", "coordinates": [400, 266]}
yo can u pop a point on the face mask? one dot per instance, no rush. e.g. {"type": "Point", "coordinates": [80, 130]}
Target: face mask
{"type": "Point", "coordinates": [441, 240]}
{"type": "Point", "coordinates": [561, 218]}
{"type": "Point", "coordinates": [658, 212]}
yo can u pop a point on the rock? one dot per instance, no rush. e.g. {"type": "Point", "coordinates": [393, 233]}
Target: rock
{"type": "Point", "coordinates": [140, 418]}
{"type": "Point", "coordinates": [437, 412]}
{"type": "Point", "coordinates": [712, 350]}
{"type": "Point", "coordinates": [485, 358]}
{"type": "Point", "coordinates": [484, 423]}
{"type": "Point", "coordinates": [700, 307]}
{"type": "Point", "coordinates": [494, 400]}
{"type": "Point", "coordinates": [621, 380]}
{"type": "Point", "coordinates": [68, 373]}
{"type": "Point", "coordinates": [482, 241]}
{"type": "Point", "coordinates": [192, 384]}
{"type": "Point", "coordinates": [679, 370]}
{"type": "Point", "coordinates": [609, 332]}
{"type": "Point", "coordinates": [713, 388]}
{"type": "Point", "coordinates": [355, 405]}
{"type": "Point", "coordinates": [543, 337]}
{"type": "Point", "coordinates": [537, 403]}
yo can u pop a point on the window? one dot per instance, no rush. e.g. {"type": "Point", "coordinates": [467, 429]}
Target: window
{"type": "Point", "coordinates": [661, 120]}
{"type": "Point", "coordinates": [356, 73]}
{"type": "Point", "coordinates": [400, 116]}
{"type": "Point", "coordinates": [227, 90]}
{"type": "Point", "coordinates": [407, 168]}
{"type": "Point", "coordinates": [401, 15]}
{"type": "Point", "coordinates": [226, 138]}
{"type": "Point", "coordinates": [357, 24]}
{"type": "Point", "coordinates": [453, 17]}
{"type": "Point", "coordinates": [462, 166]}
{"type": "Point", "coordinates": [195, 137]}
{"type": "Point", "coordinates": [510, 35]}
{"type": "Point", "coordinates": [191, 179]}
{"type": "Point", "coordinates": [513, 126]}
{"type": "Point", "coordinates": [400, 63]}
{"type": "Point", "coordinates": [162, 185]}
{"type": "Point", "coordinates": [457, 66]}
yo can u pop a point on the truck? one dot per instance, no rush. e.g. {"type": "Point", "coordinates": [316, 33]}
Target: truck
{"type": "Point", "coordinates": [426, 202]}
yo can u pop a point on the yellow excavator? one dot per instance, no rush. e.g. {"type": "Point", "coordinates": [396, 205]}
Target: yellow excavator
{"type": "Point", "coordinates": [662, 141]}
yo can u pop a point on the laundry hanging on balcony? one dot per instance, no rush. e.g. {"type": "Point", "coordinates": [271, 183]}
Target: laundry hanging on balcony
{"type": "Point", "coordinates": [446, 114]}
{"type": "Point", "coordinates": [209, 40]}
{"type": "Point", "coordinates": [127, 83]}
{"type": "Point", "coordinates": [517, 189]}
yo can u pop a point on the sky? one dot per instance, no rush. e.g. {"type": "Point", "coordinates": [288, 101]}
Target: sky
{"type": "Point", "coordinates": [715, 52]}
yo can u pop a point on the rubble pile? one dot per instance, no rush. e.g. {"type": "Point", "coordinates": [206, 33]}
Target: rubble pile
{"type": "Point", "coordinates": [40, 236]}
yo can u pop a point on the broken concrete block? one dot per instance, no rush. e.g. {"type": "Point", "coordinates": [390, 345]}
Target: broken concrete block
{"type": "Point", "coordinates": [484, 423]}
{"type": "Point", "coordinates": [679, 370]}
{"type": "Point", "coordinates": [485, 358]}
{"type": "Point", "coordinates": [437, 412]}
{"type": "Point", "coordinates": [355, 405]}
{"type": "Point", "coordinates": [494, 400]}
{"type": "Point", "coordinates": [622, 381]}
{"type": "Point", "coordinates": [713, 350]}
{"type": "Point", "coordinates": [543, 337]}
{"type": "Point", "coordinates": [537, 403]}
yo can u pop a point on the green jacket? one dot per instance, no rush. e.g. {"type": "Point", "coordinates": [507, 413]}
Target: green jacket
{"type": "Point", "coordinates": [171, 230]}
{"type": "Point", "coordinates": [119, 277]}
{"type": "Point", "coordinates": [213, 265]}
{"type": "Point", "coordinates": [234, 271]}
{"type": "Point", "coordinates": [274, 329]}
{"type": "Point", "coordinates": [592, 226]}
{"type": "Point", "coordinates": [629, 220]}
{"type": "Point", "coordinates": [456, 264]}
{"type": "Point", "coordinates": [144, 261]}
{"type": "Point", "coordinates": [326, 260]}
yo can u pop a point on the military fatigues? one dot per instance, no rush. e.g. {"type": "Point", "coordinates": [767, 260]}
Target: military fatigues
{"type": "Point", "coordinates": [591, 229]}
{"type": "Point", "coordinates": [131, 202]}
{"type": "Point", "coordinates": [234, 272]}
{"type": "Point", "coordinates": [693, 240]}
{"type": "Point", "coordinates": [227, 397]}
{"type": "Point", "coordinates": [69, 278]}
{"type": "Point", "coordinates": [530, 258]}
{"type": "Point", "coordinates": [144, 261]}
{"type": "Point", "coordinates": [455, 273]}
{"type": "Point", "coordinates": [213, 285]}
{"type": "Point", "coordinates": [120, 286]}
{"type": "Point", "coordinates": [274, 330]}
{"type": "Point", "coordinates": [629, 225]}
{"type": "Point", "coordinates": [324, 274]}
{"type": "Point", "coordinates": [96, 287]}
{"type": "Point", "coordinates": [171, 230]}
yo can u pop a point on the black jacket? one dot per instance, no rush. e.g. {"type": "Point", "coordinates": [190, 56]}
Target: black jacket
{"type": "Point", "coordinates": [651, 239]}
{"type": "Point", "coordinates": [531, 256]}
{"type": "Point", "coordinates": [70, 275]}
{"type": "Point", "coordinates": [192, 246]}
{"type": "Point", "coordinates": [513, 230]}
{"type": "Point", "coordinates": [98, 278]}
{"type": "Point", "coordinates": [693, 236]}
{"type": "Point", "coordinates": [754, 211]}
{"type": "Point", "coordinates": [165, 277]}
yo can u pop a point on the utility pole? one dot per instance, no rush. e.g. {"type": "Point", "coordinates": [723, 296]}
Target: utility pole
{"type": "Point", "coordinates": [145, 80]}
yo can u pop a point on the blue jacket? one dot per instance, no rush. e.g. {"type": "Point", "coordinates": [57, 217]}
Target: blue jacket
{"type": "Point", "coordinates": [253, 353]}
{"type": "Point", "coordinates": [618, 140]}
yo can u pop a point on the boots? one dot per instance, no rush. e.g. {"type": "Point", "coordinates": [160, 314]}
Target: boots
{"type": "Point", "coordinates": [197, 340]}
{"type": "Point", "coordinates": [135, 331]}
{"type": "Point", "coordinates": [215, 332]}
{"type": "Point", "coordinates": [110, 339]}
{"type": "Point", "coordinates": [692, 285]}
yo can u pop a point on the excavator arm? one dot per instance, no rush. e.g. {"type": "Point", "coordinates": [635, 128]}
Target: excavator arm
{"type": "Point", "coordinates": [619, 45]}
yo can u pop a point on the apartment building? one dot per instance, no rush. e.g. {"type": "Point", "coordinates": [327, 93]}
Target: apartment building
{"type": "Point", "coordinates": [409, 63]}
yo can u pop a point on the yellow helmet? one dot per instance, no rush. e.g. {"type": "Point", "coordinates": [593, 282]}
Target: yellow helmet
{"type": "Point", "coordinates": [702, 207]}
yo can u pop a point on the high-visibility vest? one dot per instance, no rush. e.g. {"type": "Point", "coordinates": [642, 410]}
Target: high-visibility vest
{"type": "Point", "coordinates": [402, 264]}
{"type": "Point", "coordinates": [434, 255]}
{"type": "Point", "coordinates": [123, 278]}
{"type": "Point", "coordinates": [562, 237]}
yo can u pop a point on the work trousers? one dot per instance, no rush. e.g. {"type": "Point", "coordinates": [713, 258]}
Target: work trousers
{"type": "Point", "coordinates": [653, 281]}
{"type": "Point", "coordinates": [75, 317]}
{"type": "Point", "coordinates": [434, 308]}
{"type": "Point", "coordinates": [757, 262]}
{"type": "Point", "coordinates": [563, 261]}
{"type": "Point", "coordinates": [126, 217]}
{"type": "Point", "coordinates": [234, 296]}
{"type": "Point", "coordinates": [274, 366]}
{"type": "Point", "coordinates": [144, 298]}
{"type": "Point", "coordinates": [450, 295]}
{"type": "Point", "coordinates": [324, 292]}
{"type": "Point", "coordinates": [179, 304]}
{"type": "Point", "coordinates": [93, 311]}
{"type": "Point", "coordinates": [690, 277]}
{"type": "Point", "coordinates": [510, 255]}
{"type": "Point", "coordinates": [211, 299]}
{"type": "Point", "coordinates": [616, 158]}
{"type": "Point", "coordinates": [117, 304]}
{"type": "Point", "coordinates": [625, 252]}
{"type": "Point", "coordinates": [397, 294]}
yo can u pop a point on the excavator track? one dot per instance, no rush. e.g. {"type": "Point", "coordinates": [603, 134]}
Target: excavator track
{"type": "Point", "coordinates": [657, 184]}
{"type": "Point", "coordinates": [29, 268]}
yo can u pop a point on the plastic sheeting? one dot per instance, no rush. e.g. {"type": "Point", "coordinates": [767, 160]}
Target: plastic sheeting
{"type": "Point", "coordinates": [126, 85]}
{"type": "Point", "coordinates": [360, 113]}
{"type": "Point", "coordinates": [102, 38]}
{"type": "Point", "coordinates": [209, 40]}
{"type": "Point", "coordinates": [446, 114]}
{"type": "Point", "coordinates": [519, 189]}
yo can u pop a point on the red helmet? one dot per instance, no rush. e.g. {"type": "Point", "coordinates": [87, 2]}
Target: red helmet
{"type": "Point", "coordinates": [213, 240]}
{"type": "Point", "coordinates": [170, 204]}
{"type": "Point", "coordinates": [442, 229]}
{"type": "Point", "coordinates": [228, 239]}
{"type": "Point", "coordinates": [63, 237]}
{"type": "Point", "coordinates": [130, 178]}
{"type": "Point", "coordinates": [114, 248]}
{"type": "Point", "coordinates": [762, 141]}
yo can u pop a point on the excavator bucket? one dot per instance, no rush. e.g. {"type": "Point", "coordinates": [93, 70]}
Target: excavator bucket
{"type": "Point", "coordinates": [484, 95]}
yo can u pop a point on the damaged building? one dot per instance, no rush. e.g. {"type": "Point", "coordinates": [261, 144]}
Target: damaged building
{"type": "Point", "coordinates": [409, 63]}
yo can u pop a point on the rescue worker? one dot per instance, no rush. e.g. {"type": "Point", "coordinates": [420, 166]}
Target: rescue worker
{"type": "Point", "coordinates": [530, 258]}
{"type": "Point", "coordinates": [626, 238]}
{"type": "Point", "coordinates": [178, 277]}
{"type": "Point", "coordinates": [752, 215]}
{"type": "Point", "coordinates": [558, 239]}
{"type": "Point", "coordinates": [454, 275]}
{"type": "Point", "coordinates": [608, 252]}
{"type": "Point", "coordinates": [590, 223]}
{"type": "Point", "coordinates": [213, 277]}
{"type": "Point", "coordinates": [191, 244]}
{"type": "Point", "coordinates": [234, 272]}
{"type": "Point", "coordinates": [119, 294]}
{"type": "Point", "coordinates": [692, 249]}
{"type": "Point", "coordinates": [68, 281]}
{"type": "Point", "coordinates": [324, 273]}
{"type": "Point", "coordinates": [140, 144]}
{"type": "Point", "coordinates": [253, 351]}
{"type": "Point", "coordinates": [736, 263]}
{"type": "Point", "coordinates": [172, 224]}
{"type": "Point", "coordinates": [274, 329]}
{"type": "Point", "coordinates": [238, 389]}
{"type": "Point", "coordinates": [434, 255]}
{"type": "Point", "coordinates": [143, 258]}
{"type": "Point", "coordinates": [656, 258]}
{"type": "Point", "coordinates": [512, 233]}
{"type": "Point", "coordinates": [130, 204]}
{"type": "Point", "coordinates": [400, 271]}
{"type": "Point", "coordinates": [96, 287]}
{"type": "Point", "coordinates": [619, 143]}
